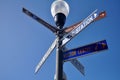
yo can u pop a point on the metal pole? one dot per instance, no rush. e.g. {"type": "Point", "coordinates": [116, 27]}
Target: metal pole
{"type": "Point", "coordinates": [59, 57]}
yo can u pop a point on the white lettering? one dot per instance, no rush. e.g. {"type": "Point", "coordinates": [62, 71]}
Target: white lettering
{"type": "Point", "coordinates": [82, 26]}
{"type": "Point", "coordinates": [95, 15]}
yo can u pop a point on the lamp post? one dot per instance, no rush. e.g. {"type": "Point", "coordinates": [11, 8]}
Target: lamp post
{"type": "Point", "coordinates": [59, 10]}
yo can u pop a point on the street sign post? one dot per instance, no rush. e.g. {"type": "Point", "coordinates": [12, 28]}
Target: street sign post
{"type": "Point", "coordinates": [64, 35]}
{"type": "Point", "coordinates": [85, 50]}
{"type": "Point", "coordinates": [41, 21]}
{"type": "Point", "coordinates": [68, 30]}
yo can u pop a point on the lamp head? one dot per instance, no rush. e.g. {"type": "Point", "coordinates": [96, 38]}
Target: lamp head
{"type": "Point", "coordinates": [59, 11]}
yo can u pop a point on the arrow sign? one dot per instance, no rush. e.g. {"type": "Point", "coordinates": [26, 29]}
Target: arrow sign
{"type": "Point", "coordinates": [80, 27]}
{"type": "Point", "coordinates": [42, 61]}
{"type": "Point", "coordinates": [72, 31]}
{"type": "Point", "coordinates": [85, 50]}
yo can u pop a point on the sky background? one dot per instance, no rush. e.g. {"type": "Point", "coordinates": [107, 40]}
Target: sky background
{"type": "Point", "coordinates": [23, 41]}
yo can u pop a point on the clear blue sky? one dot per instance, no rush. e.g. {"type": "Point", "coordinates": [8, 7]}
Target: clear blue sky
{"type": "Point", "coordinates": [23, 41]}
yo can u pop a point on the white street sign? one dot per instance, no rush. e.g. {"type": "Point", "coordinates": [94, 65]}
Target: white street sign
{"type": "Point", "coordinates": [80, 27]}
{"type": "Point", "coordinates": [78, 65]}
{"type": "Point", "coordinates": [42, 61]}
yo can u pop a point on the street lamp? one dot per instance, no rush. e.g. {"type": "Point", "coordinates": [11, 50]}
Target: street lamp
{"type": "Point", "coordinates": [59, 10]}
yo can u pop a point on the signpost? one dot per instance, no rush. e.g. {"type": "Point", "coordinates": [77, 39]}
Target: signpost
{"type": "Point", "coordinates": [64, 35]}
{"type": "Point", "coordinates": [71, 31]}
{"type": "Point", "coordinates": [85, 50]}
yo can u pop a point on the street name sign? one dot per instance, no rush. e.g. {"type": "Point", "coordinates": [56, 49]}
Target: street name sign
{"type": "Point", "coordinates": [80, 27]}
{"type": "Point", "coordinates": [76, 63]}
{"type": "Point", "coordinates": [85, 50]}
{"type": "Point", "coordinates": [42, 61]}
{"type": "Point", "coordinates": [77, 27]}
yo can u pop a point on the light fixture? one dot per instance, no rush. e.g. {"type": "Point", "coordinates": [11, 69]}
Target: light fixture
{"type": "Point", "coordinates": [59, 11]}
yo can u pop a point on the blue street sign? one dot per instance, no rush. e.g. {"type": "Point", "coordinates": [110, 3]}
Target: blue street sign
{"type": "Point", "coordinates": [85, 50]}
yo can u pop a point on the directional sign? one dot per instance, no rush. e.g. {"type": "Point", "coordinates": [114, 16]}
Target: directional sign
{"type": "Point", "coordinates": [78, 65]}
{"type": "Point", "coordinates": [80, 27]}
{"type": "Point", "coordinates": [72, 27]}
{"type": "Point", "coordinates": [42, 61]}
{"type": "Point", "coordinates": [85, 50]}
{"type": "Point", "coordinates": [77, 28]}
{"type": "Point", "coordinates": [47, 25]}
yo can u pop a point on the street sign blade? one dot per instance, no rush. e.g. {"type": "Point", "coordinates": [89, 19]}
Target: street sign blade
{"type": "Point", "coordinates": [79, 27]}
{"type": "Point", "coordinates": [47, 25]}
{"type": "Point", "coordinates": [101, 15]}
{"type": "Point", "coordinates": [85, 50]}
{"type": "Point", "coordinates": [47, 54]}
{"type": "Point", "coordinates": [70, 28]}
{"type": "Point", "coordinates": [76, 63]}
{"type": "Point", "coordinates": [78, 66]}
